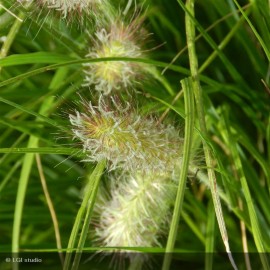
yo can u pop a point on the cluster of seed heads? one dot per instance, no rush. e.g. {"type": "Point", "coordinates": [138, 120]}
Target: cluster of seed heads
{"type": "Point", "coordinates": [144, 151]}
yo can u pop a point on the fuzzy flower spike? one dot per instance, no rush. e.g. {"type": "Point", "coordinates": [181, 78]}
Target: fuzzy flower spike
{"type": "Point", "coordinates": [120, 40]}
{"type": "Point", "coordinates": [114, 131]}
{"type": "Point", "coordinates": [73, 10]}
{"type": "Point", "coordinates": [138, 211]}
{"type": "Point", "coordinates": [69, 6]}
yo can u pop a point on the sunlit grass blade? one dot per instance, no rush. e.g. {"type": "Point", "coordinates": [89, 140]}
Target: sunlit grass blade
{"type": "Point", "coordinates": [34, 58]}
{"type": "Point", "coordinates": [44, 150]}
{"type": "Point", "coordinates": [22, 188]}
{"type": "Point", "coordinates": [11, 36]}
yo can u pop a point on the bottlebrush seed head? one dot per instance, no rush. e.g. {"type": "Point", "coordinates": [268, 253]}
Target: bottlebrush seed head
{"type": "Point", "coordinates": [119, 41]}
{"type": "Point", "coordinates": [67, 7]}
{"type": "Point", "coordinates": [137, 213]}
{"type": "Point", "coordinates": [116, 132]}
{"type": "Point", "coordinates": [81, 11]}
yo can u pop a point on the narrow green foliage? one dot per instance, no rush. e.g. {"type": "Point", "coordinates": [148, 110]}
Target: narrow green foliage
{"type": "Point", "coordinates": [22, 187]}
{"type": "Point", "coordinates": [265, 48]}
{"type": "Point", "coordinates": [258, 237]}
{"type": "Point", "coordinates": [84, 213]}
{"type": "Point", "coordinates": [187, 86]}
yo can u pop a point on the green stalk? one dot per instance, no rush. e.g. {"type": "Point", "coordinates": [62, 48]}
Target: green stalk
{"type": "Point", "coordinates": [11, 35]}
{"type": "Point", "coordinates": [187, 86]}
{"type": "Point", "coordinates": [190, 32]}
{"type": "Point", "coordinates": [84, 212]}
{"type": "Point", "coordinates": [23, 182]}
{"type": "Point", "coordinates": [6, 17]}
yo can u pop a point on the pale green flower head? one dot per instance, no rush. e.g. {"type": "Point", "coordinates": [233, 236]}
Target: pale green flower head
{"type": "Point", "coordinates": [136, 214]}
{"type": "Point", "coordinates": [114, 131]}
{"type": "Point", "coordinates": [67, 7]}
{"type": "Point", "coordinates": [93, 12]}
{"type": "Point", "coordinates": [119, 40]}
{"type": "Point", "coordinates": [137, 211]}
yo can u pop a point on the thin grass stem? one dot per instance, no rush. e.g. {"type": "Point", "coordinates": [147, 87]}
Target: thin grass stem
{"type": "Point", "coordinates": [90, 195]}
{"type": "Point", "coordinates": [187, 86]}
{"type": "Point", "coordinates": [84, 211]}
{"type": "Point", "coordinates": [190, 32]}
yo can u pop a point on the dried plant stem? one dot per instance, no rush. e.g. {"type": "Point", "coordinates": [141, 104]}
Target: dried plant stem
{"type": "Point", "coordinates": [50, 206]}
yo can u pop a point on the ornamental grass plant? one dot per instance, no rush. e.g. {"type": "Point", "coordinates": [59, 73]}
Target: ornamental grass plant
{"type": "Point", "coordinates": [134, 134]}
